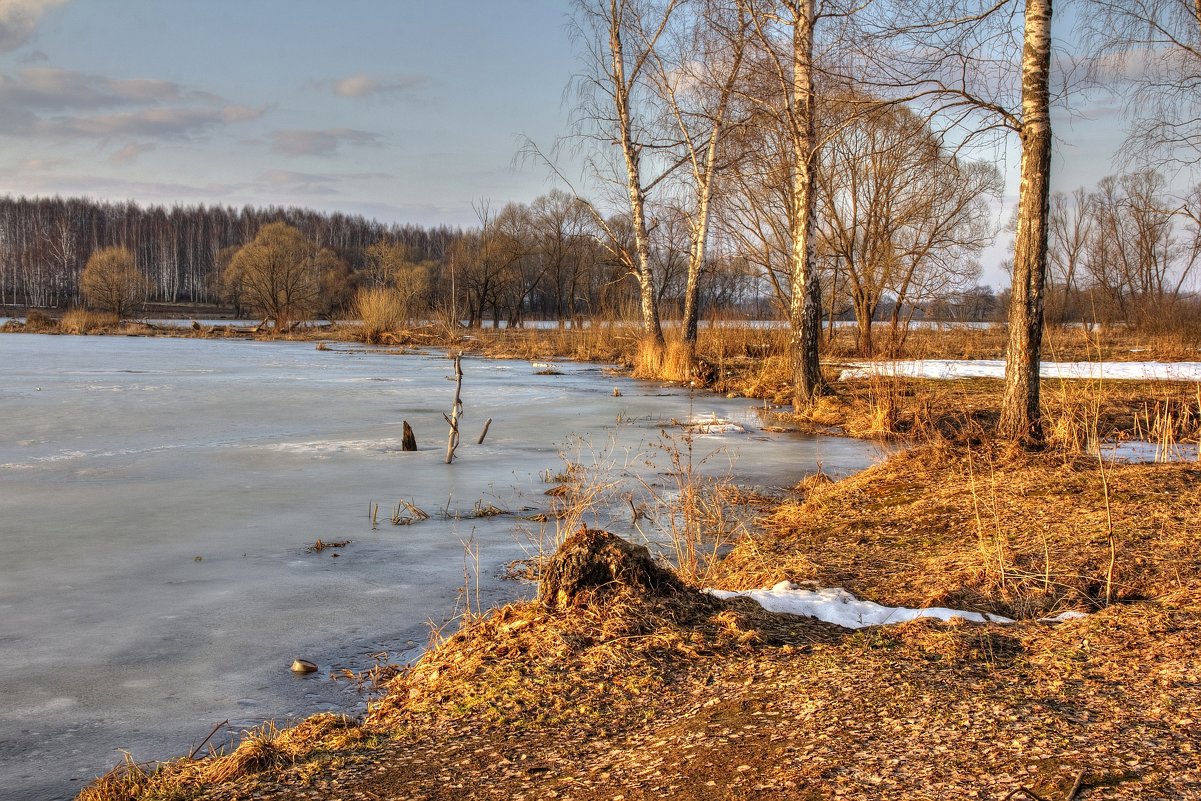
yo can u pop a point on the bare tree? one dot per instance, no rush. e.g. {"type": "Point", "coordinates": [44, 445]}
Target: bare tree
{"type": "Point", "coordinates": [784, 73]}
{"type": "Point", "coordinates": [900, 215]}
{"type": "Point", "coordinates": [278, 274]}
{"type": "Point", "coordinates": [1071, 223]}
{"type": "Point", "coordinates": [1152, 48]}
{"type": "Point", "coordinates": [617, 108]}
{"type": "Point", "coordinates": [968, 63]}
{"type": "Point", "coordinates": [112, 281]}
{"type": "Point", "coordinates": [696, 76]}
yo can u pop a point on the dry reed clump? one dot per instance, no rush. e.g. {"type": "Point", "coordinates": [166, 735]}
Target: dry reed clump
{"type": "Point", "coordinates": [83, 321]}
{"type": "Point", "coordinates": [305, 747]}
{"type": "Point", "coordinates": [380, 312]}
{"type": "Point", "coordinates": [984, 529]}
{"type": "Point", "coordinates": [769, 378]}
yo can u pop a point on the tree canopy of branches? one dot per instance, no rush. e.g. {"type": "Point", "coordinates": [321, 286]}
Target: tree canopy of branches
{"type": "Point", "coordinates": [112, 281]}
{"type": "Point", "coordinates": [900, 215]}
{"type": "Point", "coordinates": [1123, 252]}
{"type": "Point", "coordinates": [1153, 50]}
{"type": "Point", "coordinates": [279, 274]}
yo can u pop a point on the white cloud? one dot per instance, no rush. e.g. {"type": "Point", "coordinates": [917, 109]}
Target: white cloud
{"type": "Point", "coordinates": [19, 19]}
{"type": "Point", "coordinates": [320, 142]}
{"type": "Point", "coordinates": [363, 85]}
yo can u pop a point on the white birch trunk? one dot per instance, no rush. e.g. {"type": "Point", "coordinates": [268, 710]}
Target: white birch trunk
{"type": "Point", "coordinates": [1020, 415]}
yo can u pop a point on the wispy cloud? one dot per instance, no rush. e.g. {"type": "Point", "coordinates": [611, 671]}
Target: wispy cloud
{"type": "Point", "coordinates": [298, 182]}
{"type": "Point", "coordinates": [154, 123]}
{"type": "Point", "coordinates": [303, 142]}
{"type": "Point", "coordinates": [363, 85]}
{"type": "Point", "coordinates": [45, 88]}
{"type": "Point", "coordinates": [131, 152]}
{"type": "Point", "coordinates": [75, 105]}
{"type": "Point", "coordinates": [19, 19]}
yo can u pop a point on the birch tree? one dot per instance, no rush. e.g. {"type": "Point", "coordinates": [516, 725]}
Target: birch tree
{"type": "Point", "coordinates": [696, 77]}
{"type": "Point", "coordinates": [783, 32]}
{"type": "Point", "coordinates": [970, 66]}
{"type": "Point", "coordinates": [620, 37]}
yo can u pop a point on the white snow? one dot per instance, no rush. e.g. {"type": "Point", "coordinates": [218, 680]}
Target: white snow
{"type": "Point", "coordinates": [995, 368]}
{"type": "Point", "coordinates": [714, 425]}
{"type": "Point", "coordinates": [836, 605]}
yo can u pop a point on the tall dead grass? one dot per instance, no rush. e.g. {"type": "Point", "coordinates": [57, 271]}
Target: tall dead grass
{"type": "Point", "coordinates": [83, 321]}
{"type": "Point", "coordinates": [380, 313]}
{"type": "Point", "coordinates": [307, 746]}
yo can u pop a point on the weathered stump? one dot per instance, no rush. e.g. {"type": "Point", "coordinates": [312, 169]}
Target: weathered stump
{"type": "Point", "coordinates": [408, 442]}
{"type": "Point", "coordinates": [592, 563]}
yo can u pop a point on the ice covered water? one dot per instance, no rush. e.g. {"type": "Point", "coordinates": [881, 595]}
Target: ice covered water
{"type": "Point", "coordinates": [157, 497]}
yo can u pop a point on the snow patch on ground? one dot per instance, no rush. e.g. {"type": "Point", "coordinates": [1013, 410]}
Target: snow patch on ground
{"type": "Point", "coordinates": [836, 605]}
{"type": "Point", "coordinates": [995, 368]}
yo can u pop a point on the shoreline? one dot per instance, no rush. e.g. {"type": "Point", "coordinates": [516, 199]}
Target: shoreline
{"type": "Point", "coordinates": [956, 521]}
{"type": "Point", "coordinates": [642, 695]}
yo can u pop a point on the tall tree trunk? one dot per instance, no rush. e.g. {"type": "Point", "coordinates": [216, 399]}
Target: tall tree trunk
{"type": "Point", "coordinates": [1020, 415]}
{"type": "Point", "coordinates": [804, 309]}
{"type": "Point", "coordinates": [631, 152]}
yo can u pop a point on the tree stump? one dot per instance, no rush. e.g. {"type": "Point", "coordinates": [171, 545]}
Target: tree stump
{"type": "Point", "coordinates": [592, 563]}
{"type": "Point", "coordinates": [408, 442]}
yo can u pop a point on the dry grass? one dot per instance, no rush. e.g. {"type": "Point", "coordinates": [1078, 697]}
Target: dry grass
{"type": "Point", "coordinates": [82, 321]}
{"type": "Point", "coordinates": [982, 528]}
{"type": "Point", "coordinates": [312, 745]}
{"type": "Point", "coordinates": [590, 668]}
{"type": "Point", "coordinates": [380, 312]}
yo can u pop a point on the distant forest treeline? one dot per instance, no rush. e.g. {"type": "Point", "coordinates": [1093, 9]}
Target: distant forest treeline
{"type": "Point", "coordinates": [45, 243]}
{"type": "Point", "coordinates": [540, 260]}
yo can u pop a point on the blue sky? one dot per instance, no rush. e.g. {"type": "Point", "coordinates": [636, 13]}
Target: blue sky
{"type": "Point", "coordinates": [405, 111]}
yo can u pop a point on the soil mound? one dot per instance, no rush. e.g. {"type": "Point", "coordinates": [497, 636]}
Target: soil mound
{"type": "Point", "coordinates": [592, 564]}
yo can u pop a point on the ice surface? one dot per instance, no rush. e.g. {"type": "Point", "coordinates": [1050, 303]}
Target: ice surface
{"type": "Point", "coordinates": [157, 496]}
{"type": "Point", "coordinates": [995, 368]}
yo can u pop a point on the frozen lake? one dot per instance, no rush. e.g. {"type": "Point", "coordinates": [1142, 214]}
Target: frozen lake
{"type": "Point", "coordinates": [157, 497]}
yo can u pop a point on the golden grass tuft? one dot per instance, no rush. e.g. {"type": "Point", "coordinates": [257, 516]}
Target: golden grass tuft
{"type": "Point", "coordinates": [82, 321]}
{"type": "Point", "coordinates": [380, 313]}
{"type": "Point", "coordinates": [264, 749]}
{"type": "Point", "coordinates": [987, 529]}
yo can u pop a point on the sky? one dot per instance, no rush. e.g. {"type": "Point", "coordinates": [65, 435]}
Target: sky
{"type": "Point", "coordinates": [405, 111]}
